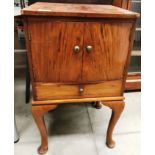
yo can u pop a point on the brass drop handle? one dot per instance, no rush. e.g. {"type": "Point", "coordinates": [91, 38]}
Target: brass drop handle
{"type": "Point", "coordinates": [76, 49]}
{"type": "Point", "coordinates": [89, 48]}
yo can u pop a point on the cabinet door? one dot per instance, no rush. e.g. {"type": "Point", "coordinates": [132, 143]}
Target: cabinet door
{"type": "Point", "coordinates": [110, 47]}
{"type": "Point", "coordinates": [53, 57]}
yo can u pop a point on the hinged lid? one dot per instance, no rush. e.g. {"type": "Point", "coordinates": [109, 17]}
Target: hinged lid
{"type": "Point", "coordinates": [77, 10]}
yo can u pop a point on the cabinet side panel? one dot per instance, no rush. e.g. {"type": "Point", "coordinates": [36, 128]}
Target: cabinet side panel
{"type": "Point", "coordinates": [29, 54]}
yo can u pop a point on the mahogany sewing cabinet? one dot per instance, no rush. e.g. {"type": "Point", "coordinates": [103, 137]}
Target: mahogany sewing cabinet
{"type": "Point", "coordinates": [77, 53]}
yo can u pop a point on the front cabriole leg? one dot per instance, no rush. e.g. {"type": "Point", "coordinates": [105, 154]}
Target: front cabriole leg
{"type": "Point", "coordinates": [117, 108]}
{"type": "Point", "coordinates": [38, 112]}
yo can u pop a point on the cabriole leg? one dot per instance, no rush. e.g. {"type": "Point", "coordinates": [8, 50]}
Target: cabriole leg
{"type": "Point", "coordinates": [98, 105]}
{"type": "Point", "coordinates": [117, 108]}
{"type": "Point", "coordinates": [38, 115]}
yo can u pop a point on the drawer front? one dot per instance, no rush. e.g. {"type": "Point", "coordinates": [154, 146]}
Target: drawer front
{"type": "Point", "coordinates": [47, 91]}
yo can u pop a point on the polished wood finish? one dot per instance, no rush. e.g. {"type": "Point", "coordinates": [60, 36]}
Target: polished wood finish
{"type": "Point", "coordinates": [97, 104]}
{"type": "Point", "coordinates": [56, 57]}
{"type": "Point", "coordinates": [60, 91]}
{"type": "Point", "coordinates": [79, 54]}
{"type": "Point", "coordinates": [126, 4]}
{"type": "Point", "coordinates": [77, 10]}
{"type": "Point", "coordinates": [117, 108]}
{"type": "Point", "coordinates": [95, 63]}
{"type": "Point", "coordinates": [38, 112]}
{"type": "Point", "coordinates": [54, 51]}
{"type": "Point", "coordinates": [80, 100]}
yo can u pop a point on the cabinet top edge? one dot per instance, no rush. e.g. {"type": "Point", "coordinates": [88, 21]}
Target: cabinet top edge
{"type": "Point", "coordinates": [77, 10]}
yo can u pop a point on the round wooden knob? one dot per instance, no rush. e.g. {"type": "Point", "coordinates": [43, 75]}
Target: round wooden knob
{"type": "Point", "coordinates": [76, 49]}
{"type": "Point", "coordinates": [89, 48]}
{"type": "Point", "coordinates": [81, 90]}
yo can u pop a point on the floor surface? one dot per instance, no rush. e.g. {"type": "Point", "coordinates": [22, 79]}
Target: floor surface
{"type": "Point", "coordinates": [78, 129]}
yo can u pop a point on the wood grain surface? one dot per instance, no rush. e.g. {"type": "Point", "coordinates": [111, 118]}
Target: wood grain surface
{"type": "Point", "coordinates": [47, 91]}
{"type": "Point", "coordinates": [80, 100]}
{"type": "Point", "coordinates": [107, 59]}
{"type": "Point", "coordinates": [55, 61]}
{"type": "Point", "coordinates": [61, 75]}
{"type": "Point", "coordinates": [38, 115]}
{"type": "Point", "coordinates": [77, 10]}
{"type": "Point", "coordinates": [117, 108]}
{"type": "Point", "coordinates": [52, 47]}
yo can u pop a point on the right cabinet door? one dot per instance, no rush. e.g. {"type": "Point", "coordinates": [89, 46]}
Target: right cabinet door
{"type": "Point", "coordinates": [106, 47]}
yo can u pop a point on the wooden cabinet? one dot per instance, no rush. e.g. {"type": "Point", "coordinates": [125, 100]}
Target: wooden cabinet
{"type": "Point", "coordinates": [78, 53]}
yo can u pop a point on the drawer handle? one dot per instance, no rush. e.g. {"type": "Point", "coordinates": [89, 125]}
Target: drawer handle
{"type": "Point", "coordinates": [76, 49]}
{"type": "Point", "coordinates": [81, 90]}
{"type": "Point", "coordinates": [89, 48]}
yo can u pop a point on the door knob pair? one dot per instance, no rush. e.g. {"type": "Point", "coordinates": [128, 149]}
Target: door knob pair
{"type": "Point", "coordinates": [77, 48]}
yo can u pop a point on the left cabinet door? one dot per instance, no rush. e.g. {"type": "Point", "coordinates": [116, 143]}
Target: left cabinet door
{"type": "Point", "coordinates": [54, 58]}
